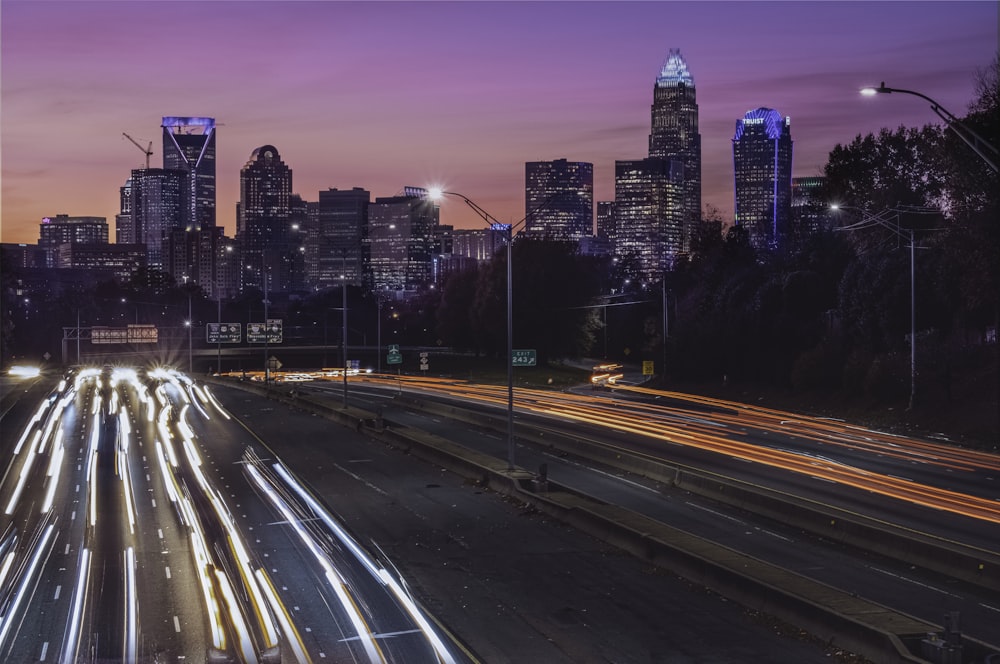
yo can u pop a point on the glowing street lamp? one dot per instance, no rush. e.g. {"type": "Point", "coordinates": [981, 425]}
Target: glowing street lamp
{"type": "Point", "coordinates": [986, 151]}
{"type": "Point", "coordinates": [508, 231]}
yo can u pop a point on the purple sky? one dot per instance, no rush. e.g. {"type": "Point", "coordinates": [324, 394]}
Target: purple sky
{"type": "Point", "coordinates": [459, 94]}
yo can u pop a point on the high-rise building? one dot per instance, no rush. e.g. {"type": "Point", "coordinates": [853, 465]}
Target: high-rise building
{"type": "Point", "coordinates": [649, 205]}
{"type": "Point", "coordinates": [63, 229]}
{"type": "Point", "coordinates": [762, 162]}
{"type": "Point", "coordinates": [810, 210]}
{"type": "Point", "coordinates": [479, 244]}
{"type": "Point", "coordinates": [155, 199]}
{"type": "Point", "coordinates": [559, 199]}
{"type": "Point", "coordinates": [124, 228]}
{"type": "Point", "coordinates": [336, 244]}
{"type": "Point", "coordinates": [402, 235]}
{"type": "Point", "coordinates": [189, 146]}
{"type": "Point", "coordinates": [674, 136]}
{"type": "Point", "coordinates": [263, 225]}
{"type": "Point", "coordinates": [607, 224]}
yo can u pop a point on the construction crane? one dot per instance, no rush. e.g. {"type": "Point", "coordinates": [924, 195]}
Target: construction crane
{"type": "Point", "coordinates": [148, 151]}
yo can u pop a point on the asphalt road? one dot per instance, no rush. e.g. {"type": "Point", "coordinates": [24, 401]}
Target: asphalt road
{"type": "Point", "coordinates": [513, 585]}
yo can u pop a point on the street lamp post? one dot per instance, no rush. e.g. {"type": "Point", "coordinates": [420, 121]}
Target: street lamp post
{"type": "Point", "coordinates": [986, 151]}
{"type": "Point", "coordinates": [508, 230]}
{"type": "Point", "coordinates": [344, 317]}
{"type": "Point", "coordinates": [190, 326]}
{"type": "Point", "coordinates": [882, 219]}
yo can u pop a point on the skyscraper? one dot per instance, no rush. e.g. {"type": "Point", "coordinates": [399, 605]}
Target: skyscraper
{"type": "Point", "coordinates": [762, 162]}
{"type": "Point", "coordinates": [336, 243]}
{"type": "Point", "coordinates": [189, 146]}
{"type": "Point", "coordinates": [559, 199]}
{"type": "Point", "coordinates": [649, 204]}
{"type": "Point", "coordinates": [263, 230]}
{"type": "Point", "coordinates": [402, 235]}
{"type": "Point", "coordinates": [674, 136]}
{"type": "Point", "coordinates": [156, 210]}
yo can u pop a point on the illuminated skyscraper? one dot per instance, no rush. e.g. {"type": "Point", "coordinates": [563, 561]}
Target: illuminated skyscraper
{"type": "Point", "coordinates": [155, 209]}
{"type": "Point", "coordinates": [559, 199]}
{"type": "Point", "coordinates": [762, 162]}
{"type": "Point", "coordinates": [649, 204]}
{"type": "Point", "coordinates": [674, 136]}
{"type": "Point", "coordinates": [263, 227]}
{"type": "Point", "coordinates": [189, 146]}
{"type": "Point", "coordinates": [402, 237]}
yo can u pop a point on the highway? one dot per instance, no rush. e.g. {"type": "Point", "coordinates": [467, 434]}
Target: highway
{"type": "Point", "coordinates": [932, 489]}
{"type": "Point", "coordinates": [141, 523]}
{"type": "Point", "coordinates": [152, 519]}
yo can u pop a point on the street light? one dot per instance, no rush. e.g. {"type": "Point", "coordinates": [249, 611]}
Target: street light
{"type": "Point", "coordinates": [190, 324]}
{"type": "Point", "coordinates": [986, 151]}
{"type": "Point", "coordinates": [508, 231]}
{"type": "Point", "coordinates": [882, 219]}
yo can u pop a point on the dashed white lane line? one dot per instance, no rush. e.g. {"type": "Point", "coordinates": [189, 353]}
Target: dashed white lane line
{"type": "Point", "coordinates": [177, 625]}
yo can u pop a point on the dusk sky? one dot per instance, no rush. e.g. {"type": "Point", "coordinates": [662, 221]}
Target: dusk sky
{"type": "Point", "coordinates": [382, 95]}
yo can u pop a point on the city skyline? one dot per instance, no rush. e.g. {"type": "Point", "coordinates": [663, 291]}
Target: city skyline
{"type": "Point", "coordinates": [462, 95]}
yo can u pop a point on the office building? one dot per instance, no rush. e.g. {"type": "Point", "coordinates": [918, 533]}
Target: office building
{"type": "Point", "coordinates": [402, 236]}
{"type": "Point", "coordinates": [62, 229]}
{"type": "Point", "coordinates": [263, 219]}
{"type": "Point", "coordinates": [155, 198]}
{"type": "Point", "coordinates": [189, 147]}
{"type": "Point", "coordinates": [335, 244]}
{"type": "Point", "coordinates": [674, 136]}
{"type": "Point", "coordinates": [559, 200]}
{"type": "Point", "coordinates": [810, 209]}
{"type": "Point", "coordinates": [762, 162]}
{"type": "Point", "coordinates": [124, 227]}
{"type": "Point", "coordinates": [479, 244]}
{"type": "Point", "coordinates": [119, 260]}
{"type": "Point", "coordinates": [649, 209]}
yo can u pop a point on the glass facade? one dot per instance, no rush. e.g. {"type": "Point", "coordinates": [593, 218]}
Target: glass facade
{"type": "Point", "coordinates": [402, 236]}
{"type": "Point", "coordinates": [559, 199]}
{"type": "Point", "coordinates": [649, 206]}
{"type": "Point", "coordinates": [674, 136]}
{"type": "Point", "coordinates": [189, 146]}
{"type": "Point", "coordinates": [762, 162]}
{"type": "Point", "coordinates": [263, 226]}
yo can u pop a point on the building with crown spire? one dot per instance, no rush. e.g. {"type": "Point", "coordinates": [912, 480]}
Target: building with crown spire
{"type": "Point", "coordinates": [674, 136]}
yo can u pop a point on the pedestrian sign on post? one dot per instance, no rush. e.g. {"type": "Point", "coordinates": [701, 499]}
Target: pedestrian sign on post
{"type": "Point", "coordinates": [647, 367]}
{"type": "Point", "coordinates": [523, 357]}
{"type": "Point", "coordinates": [394, 356]}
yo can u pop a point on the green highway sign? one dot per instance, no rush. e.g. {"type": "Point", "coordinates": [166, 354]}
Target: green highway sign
{"type": "Point", "coordinates": [270, 331]}
{"type": "Point", "coordinates": [523, 357]}
{"type": "Point", "coordinates": [224, 333]}
{"type": "Point", "coordinates": [394, 356]}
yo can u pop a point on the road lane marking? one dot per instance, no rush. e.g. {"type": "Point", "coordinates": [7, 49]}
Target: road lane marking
{"type": "Point", "coordinates": [991, 608]}
{"type": "Point", "coordinates": [58, 590]}
{"type": "Point", "coordinates": [177, 625]}
{"type": "Point", "coordinates": [45, 649]}
{"type": "Point", "coordinates": [914, 582]}
{"type": "Point", "coordinates": [710, 511]}
{"type": "Point", "coordinates": [154, 502]}
{"type": "Point", "coordinates": [159, 531]}
{"type": "Point", "coordinates": [168, 571]}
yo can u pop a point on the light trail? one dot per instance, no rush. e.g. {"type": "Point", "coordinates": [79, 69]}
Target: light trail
{"type": "Point", "coordinates": [732, 419]}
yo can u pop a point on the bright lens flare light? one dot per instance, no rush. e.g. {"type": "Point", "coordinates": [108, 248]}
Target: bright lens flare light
{"type": "Point", "coordinates": [20, 371]}
{"type": "Point", "coordinates": [869, 91]}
